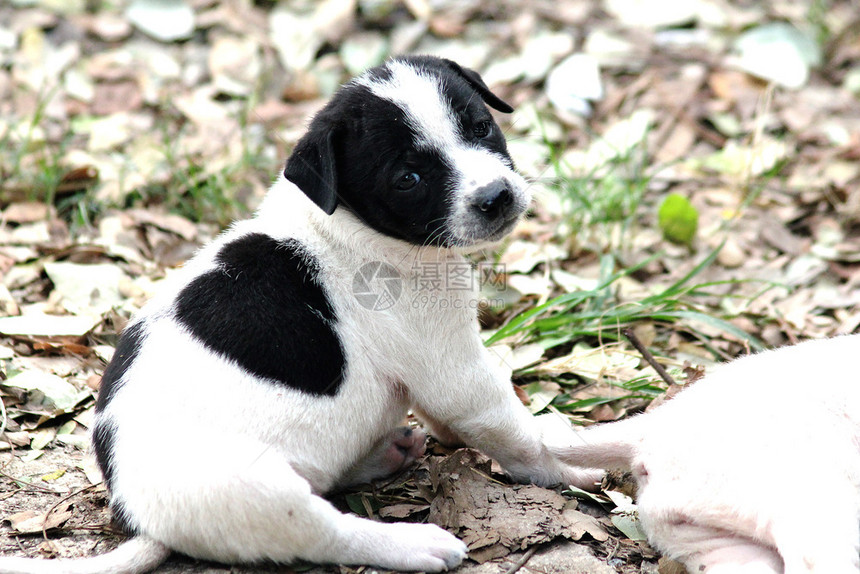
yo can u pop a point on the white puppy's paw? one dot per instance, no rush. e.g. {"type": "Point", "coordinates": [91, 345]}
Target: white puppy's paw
{"type": "Point", "coordinates": [557, 432]}
{"type": "Point", "coordinates": [428, 548]}
{"type": "Point", "coordinates": [585, 478]}
{"type": "Point", "coordinates": [551, 472]}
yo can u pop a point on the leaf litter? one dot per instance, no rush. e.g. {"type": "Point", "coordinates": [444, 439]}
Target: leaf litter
{"type": "Point", "coordinates": [494, 518]}
{"type": "Point", "coordinates": [124, 146]}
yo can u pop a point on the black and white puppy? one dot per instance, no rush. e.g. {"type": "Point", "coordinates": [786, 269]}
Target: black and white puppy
{"type": "Point", "coordinates": [258, 381]}
{"type": "Point", "coordinates": [725, 468]}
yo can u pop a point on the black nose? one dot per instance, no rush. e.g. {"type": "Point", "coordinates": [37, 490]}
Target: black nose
{"type": "Point", "coordinates": [492, 199]}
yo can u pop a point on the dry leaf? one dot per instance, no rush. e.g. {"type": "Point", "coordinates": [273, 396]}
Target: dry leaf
{"type": "Point", "coordinates": [113, 97]}
{"type": "Point", "coordinates": [166, 221]}
{"type": "Point", "coordinates": [26, 212]}
{"type": "Point", "coordinates": [47, 326]}
{"type": "Point", "coordinates": [402, 510]}
{"type": "Point", "coordinates": [494, 519]}
{"type": "Point", "coordinates": [32, 522]}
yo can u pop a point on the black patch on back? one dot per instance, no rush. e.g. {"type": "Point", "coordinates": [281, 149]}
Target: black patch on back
{"type": "Point", "coordinates": [103, 443]}
{"type": "Point", "coordinates": [264, 309]}
{"type": "Point", "coordinates": [103, 440]}
{"type": "Point", "coordinates": [127, 350]}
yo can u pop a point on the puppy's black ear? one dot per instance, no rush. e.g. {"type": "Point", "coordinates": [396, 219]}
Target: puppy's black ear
{"type": "Point", "coordinates": [478, 84]}
{"type": "Point", "coordinates": [312, 167]}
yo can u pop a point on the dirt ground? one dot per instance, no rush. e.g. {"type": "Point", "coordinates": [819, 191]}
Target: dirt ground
{"type": "Point", "coordinates": [78, 521]}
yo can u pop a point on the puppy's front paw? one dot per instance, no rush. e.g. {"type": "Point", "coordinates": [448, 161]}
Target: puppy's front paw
{"type": "Point", "coordinates": [427, 548]}
{"type": "Point", "coordinates": [585, 478]}
{"type": "Point", "coordinates": [546, 470]}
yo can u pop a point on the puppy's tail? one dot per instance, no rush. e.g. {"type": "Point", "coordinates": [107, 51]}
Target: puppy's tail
{"type": "Point", "coordinates": [608, 446]}
{"type": "Point", "coordinates": [135, 556]}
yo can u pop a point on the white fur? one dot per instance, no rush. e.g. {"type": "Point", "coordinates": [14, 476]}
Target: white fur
{"type": "Point", "coordinates": [478, 168]}
{"type": "Point", "coordinates": [755, 468]}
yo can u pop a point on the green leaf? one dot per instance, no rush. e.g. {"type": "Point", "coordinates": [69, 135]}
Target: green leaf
{"type": "Point", "coordinates": [740, 334]}
{"type": "Point", "coordinates": [362, 504]}
{"type": "Point", "coordinates": [678, 219]}
{"type": "Point", "coordinates": [596, 498]}
{"type": "Point", "coordinates": [629, 526]}
{"type": "Point", "coordinates": [541, 394]}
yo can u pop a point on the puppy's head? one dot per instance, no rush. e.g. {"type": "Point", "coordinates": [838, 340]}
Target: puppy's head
{"type": "Point", "coordinates": [411, 148]}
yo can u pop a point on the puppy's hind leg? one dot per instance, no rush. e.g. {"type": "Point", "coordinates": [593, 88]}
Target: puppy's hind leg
{"type": "Point", "coordinates": [397, 450]}
{"type": "Point", "coordinates": [708, 549]}
{"type": "Point", "coordinates": [735, 556]}
{"type": "Point", "coordinates": [821, 537]}
{"type": "Point", "coordinates": [255, 507]}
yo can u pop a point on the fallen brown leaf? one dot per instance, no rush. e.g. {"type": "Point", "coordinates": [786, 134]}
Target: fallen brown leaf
{"type": "Point", "coordinates": [493, 518]}
{"type": "Point", "coordinates": [32, 522]}
{"type": "Point", "coordinates": [26, 212]}
{"type": "Point", "coordinates": [402, 510]}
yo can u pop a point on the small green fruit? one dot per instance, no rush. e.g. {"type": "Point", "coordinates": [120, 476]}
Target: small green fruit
{"type": "Point", "coordinates": [678, 219]}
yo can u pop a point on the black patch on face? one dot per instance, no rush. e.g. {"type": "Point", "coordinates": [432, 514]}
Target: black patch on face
{"type": "Point", "coordinates": [465, 94]}
{"type": "Point", "coordinates": [360, 146]}
{"type": "Point", "coordinates": [476, 124]}
{"type": "Point", "coordinates": [445, 67]}
{"type": "Point", "coordinates": [379, 149]}
{"type": "Point", "coordinates": [264, 309]}
{"type": "Point", "coordinates": [374, 157]}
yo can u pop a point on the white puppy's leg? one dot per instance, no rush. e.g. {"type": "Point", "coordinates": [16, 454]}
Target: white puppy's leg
{"type": "Point", "coordinates": [821, 538]}
{"type": "Point", "coordinates": [819, 554]}
{"type": "Point", "coordinates": [397, 450]}
{"type": "Point", "coordinates": [504, 430]}
{"type": "Point", "coordinates": [484, 412]}
{"type": "Point", "coordinates": [707, 549]}
{"type": "Point", "coordinates": [440, 431]}
{"type": "Point", "coordinates": [737, 556]}
{"type": "Point", "coordinates": [253, 506]}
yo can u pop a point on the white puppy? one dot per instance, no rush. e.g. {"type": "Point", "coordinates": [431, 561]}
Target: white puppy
{"type": "Point", "coordinates": [290, 349]}
{"type": "Point", "coordinates": [753, 469]}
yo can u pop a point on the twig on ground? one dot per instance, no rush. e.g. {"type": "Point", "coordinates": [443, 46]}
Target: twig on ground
{"type": "Point", "coordinates": [522, 561]}
{"type": "Point", "coordinates": [3, 418]}
{"type": "Point", "coordinates": [649, 358]}
{"type": "Point", "coordinates": [614, 552]}
{"type": "Point", "coordinates": [59, 502]}
{"type": "Point", "coordinates": [26, 485]}
{"type": "Point", "coordinates": [786, 328]}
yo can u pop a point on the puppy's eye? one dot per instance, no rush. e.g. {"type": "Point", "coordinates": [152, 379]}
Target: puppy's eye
{"type": "Point", "coordinates": [482, 129]}
{"type": "Point", "coordinates": [407, 181]}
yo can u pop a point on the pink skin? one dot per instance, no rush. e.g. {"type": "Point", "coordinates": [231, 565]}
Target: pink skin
{"type": "Point", "coordinates": [397, 450]}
